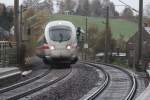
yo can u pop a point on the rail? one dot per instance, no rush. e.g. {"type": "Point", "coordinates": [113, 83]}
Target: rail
{"type": "Point", "coordinates": [131, 92]}
{"type": "Point", "coordinates": [99, 89]}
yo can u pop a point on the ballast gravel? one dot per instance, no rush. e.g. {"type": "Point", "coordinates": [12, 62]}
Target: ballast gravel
{"type": "Point", "coordinates": [76, 85]}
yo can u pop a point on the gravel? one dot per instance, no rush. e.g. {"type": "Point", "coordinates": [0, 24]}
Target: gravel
{"type": "Point", "coordinates": [82, 80]}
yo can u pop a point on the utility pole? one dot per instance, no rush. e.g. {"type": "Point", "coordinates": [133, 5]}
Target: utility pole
{"type": "Point", "coordinates": [106, 57]}
{"type": "Point", "coordinates": [140, 35]}
{"type": "Point", "coordinates": [16, 30]}
{"type": "Point", "coordinates": [86, 38]}
{"type": "Point", "coordinates": [21, 22]}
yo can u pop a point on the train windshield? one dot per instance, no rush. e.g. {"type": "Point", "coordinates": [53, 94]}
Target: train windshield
{"type": "Point", "coordinates": [60, 34]}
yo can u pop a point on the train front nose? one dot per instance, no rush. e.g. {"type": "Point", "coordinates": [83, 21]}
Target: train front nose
{"type": "Point", "coordinates": [64, 50]}
{"type": "Point", "coordinates": [60, 39]}
{"type": "Point", "coordinates": [61, 50]}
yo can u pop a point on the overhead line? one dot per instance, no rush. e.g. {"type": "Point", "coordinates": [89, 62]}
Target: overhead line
{"type": "Point", "coordinates": [129, 6]}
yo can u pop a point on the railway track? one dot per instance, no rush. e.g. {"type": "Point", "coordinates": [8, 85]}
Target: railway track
{"type": "Point", "coordinates": [22, 83]}
{"type": "Point", "coordinates": [28, 87]}
{"type": "Point", "coordinates": [116, 84]}
{"type": "Point", "coordinates": [119, 84]}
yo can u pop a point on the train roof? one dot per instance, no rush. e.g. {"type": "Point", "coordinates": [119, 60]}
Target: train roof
{"type": "Point", "coordinates": [60, 22]}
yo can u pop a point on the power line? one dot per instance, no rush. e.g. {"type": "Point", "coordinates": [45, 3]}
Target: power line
{"type": "Point", "coordinates": [129, 6]}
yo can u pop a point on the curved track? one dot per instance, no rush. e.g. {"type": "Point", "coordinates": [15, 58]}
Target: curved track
{"type": "Point", "coordinates": [22, 83]}
{"type": "Point", "coordinates": [19, 92]}
{"type": "Point", "coordinates": [100, 88]}
{"type": "Point", "coordinates": [119, 84]}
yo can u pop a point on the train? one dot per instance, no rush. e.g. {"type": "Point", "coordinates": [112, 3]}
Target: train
{"type": "Point", "coordinates": [58, 44]}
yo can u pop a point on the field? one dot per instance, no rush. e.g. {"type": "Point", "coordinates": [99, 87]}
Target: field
{"type": "Point", "coordinates": [118, 26]}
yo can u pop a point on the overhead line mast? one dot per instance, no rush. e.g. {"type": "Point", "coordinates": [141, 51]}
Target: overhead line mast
{"type": "Point", "coordinates": [16, 29]}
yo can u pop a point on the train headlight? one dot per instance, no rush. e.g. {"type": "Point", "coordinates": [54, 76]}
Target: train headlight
{"type": "Point", "coordinates": [52, 47]}
{"type": "Point", "coordinates": [68, 47]}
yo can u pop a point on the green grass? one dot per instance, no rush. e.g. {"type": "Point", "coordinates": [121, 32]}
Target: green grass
{"type": "Point", "coordinates": [118, 26]}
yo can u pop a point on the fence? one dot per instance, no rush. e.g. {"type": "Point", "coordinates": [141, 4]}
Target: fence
{"type": "Point", "coordinates": [7, 53]}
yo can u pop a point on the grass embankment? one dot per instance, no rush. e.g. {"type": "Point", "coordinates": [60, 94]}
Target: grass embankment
{"type": "Point", "coordinates": [118, 26]}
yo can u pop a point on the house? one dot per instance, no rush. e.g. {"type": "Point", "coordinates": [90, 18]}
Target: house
{"type": "Point", "coordinates": [131, 47]}
{"type": "Point", "coordinates": [69, 12]}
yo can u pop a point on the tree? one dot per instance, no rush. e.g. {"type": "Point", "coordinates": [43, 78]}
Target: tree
{"type": "Point", "coordinates": [83, 8]}
{"type": "Point", "coordinates": [79, 9]}
{"type": "Point", "coordinates": [6, 17]}
{"type": "Point", "coordinates": [61, 7]}
{"type": "Point", "coordinates": [86, 8]}
{"type": "Point", "coordinates": [69, 5]}
{"type": "Point", "coordinates": [127, 13]}
{"type": "Point", "coordinates": [112, 9]}
{"type": "Point", "coordinates": [116, 14]}
{"type": "Point", "coordinates": [96, 7]}
{"type": "Point", "coordinates": [10, 15]}
{"type": "Point", "coordinates": [121, 43]}
{"type": "Point", "coordinates": [2, 9]}
{"type": "Point", "coordinates": [100, 45]}
{"type": "Point", "coordinates": [49, 5]}
{"type": "Point", "coordinates": [92, 38]}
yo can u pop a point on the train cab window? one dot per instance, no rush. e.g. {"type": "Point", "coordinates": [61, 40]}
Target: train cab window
{"type": "Point", "coordinates": [60, 33]}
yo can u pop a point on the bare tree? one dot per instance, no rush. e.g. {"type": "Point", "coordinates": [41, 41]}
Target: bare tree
{"type": "Point", "coordinates": [112, 9]}
{"type": "Point", "coordinates": [86, 8]}
{"type": "Point", "coordinates": [127, 13]}
{"type": "Point", "coordinates": [61, 7]}
{"type": "Point", "coordinates": [79, 8]}
{"type": "Point", "coordinates": [96, 8]}
{"type": "Point", "coordinates": [83, 8]}
{"type": "Point", "coordinates": [69, 4]}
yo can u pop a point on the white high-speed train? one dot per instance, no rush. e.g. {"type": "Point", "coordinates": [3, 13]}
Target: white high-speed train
{"type": "Point", "coordinates": [58, 44]}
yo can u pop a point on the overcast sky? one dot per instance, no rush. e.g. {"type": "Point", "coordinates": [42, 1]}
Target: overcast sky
{"type": "Point", "coordinates": [132, 3]}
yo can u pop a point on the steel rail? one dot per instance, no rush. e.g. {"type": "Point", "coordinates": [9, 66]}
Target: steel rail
{"type": "Point", "coordinates": [38, 88]}
{"type": "Point", "coordinates": [132, 91]}
{"type": "Point", "coordinates": [11, 87]}
{"type": "Point", "coordinates": [133, 79]}
{"type": "Point", "coordinates": [102, 87]}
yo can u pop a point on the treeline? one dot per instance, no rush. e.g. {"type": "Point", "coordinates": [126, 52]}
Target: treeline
{"type": "Point", "coordinates": [96, 8]}
{"type": "Point", "coordinates": [6, 17]}
{"type": "Point", "coordinates": [88, 8]}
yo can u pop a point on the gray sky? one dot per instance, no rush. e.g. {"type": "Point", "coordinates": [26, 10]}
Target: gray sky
{"type": "Point", "coordinates": [132, 3]}
{"type": "Point", "coordinates": [9, 2]}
